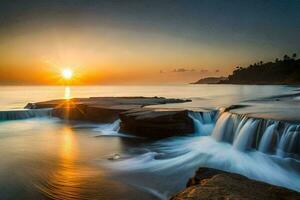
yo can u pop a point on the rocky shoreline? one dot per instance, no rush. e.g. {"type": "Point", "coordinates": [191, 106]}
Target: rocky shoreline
{"type": "Point", "coordinates": [210, 184]}
{"type": "Point", "coordinates": [138, 119]}
{"type": "Point", "coordinates": [135, 117]}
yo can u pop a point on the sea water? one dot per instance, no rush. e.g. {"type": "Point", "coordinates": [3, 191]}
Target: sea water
{"type": "Point", "coordinates": [46, 158]}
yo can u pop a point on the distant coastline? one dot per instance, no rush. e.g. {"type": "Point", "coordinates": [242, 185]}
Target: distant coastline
{"type": "Point", "coordinates": [280, 72]}
{"type": "Point", "coordinates": [210, 80]}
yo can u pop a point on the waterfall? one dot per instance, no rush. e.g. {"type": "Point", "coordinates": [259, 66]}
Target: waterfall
{"type": "Point", "coordinates": [203, 122]}
{"type": "Point", "coordinates": [224, 127]}
{"type": "Point", "coordinates": [270, 135]}
{"type": "Point", "coordinates": [245, 135]}
{"type": "Point", "coordinates": [267, 136]}
{"type": "Point", "coordinates": [115, 126]}
{"type": "Point", "coordinates": [111, 130]}
{"type": "Point", "coordinates": [207, 117]}
{"type": "Point", "coordinates": [289, 142]}
{"type": "Point", "coordinates": [24, 114]}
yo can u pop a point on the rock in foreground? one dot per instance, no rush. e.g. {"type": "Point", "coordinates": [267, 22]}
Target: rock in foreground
{"type": "Point", "coordinates": [210, 184]}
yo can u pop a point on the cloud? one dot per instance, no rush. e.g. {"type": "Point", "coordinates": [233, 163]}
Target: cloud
{"type": "Point", "coordinates": [183, 70]}
{"type": "Point", "coordinates": [204, 71]}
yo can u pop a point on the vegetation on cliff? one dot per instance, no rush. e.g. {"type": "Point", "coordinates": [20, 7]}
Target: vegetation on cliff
{"type": "Point", "coordinates": [284, 71]}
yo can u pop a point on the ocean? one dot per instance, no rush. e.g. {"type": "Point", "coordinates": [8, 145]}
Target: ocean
{"type": "Point", "coordinates": [47, 158]}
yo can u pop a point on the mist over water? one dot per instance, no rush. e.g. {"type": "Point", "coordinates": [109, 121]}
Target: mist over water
{"type": "Point", "coordinates": [176, 159]}
{"type": "Point", "coordinates": [47, 158]}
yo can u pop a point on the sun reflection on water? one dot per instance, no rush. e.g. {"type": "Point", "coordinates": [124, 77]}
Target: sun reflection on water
{"type": "Point", "coordinates": [69, 177]}
{"type": "Point", "coordinates": [67, 92]}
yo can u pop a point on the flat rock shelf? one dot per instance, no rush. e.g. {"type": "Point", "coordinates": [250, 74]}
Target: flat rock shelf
{"type": "Point", "coordinates": [135, 117]}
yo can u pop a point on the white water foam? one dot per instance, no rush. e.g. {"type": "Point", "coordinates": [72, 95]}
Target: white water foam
{"type": "Point", "coordinates": [111, 130]}
{"type": "Point", "coordinates": [246, 135]}
{"type": "Point", "coordinates": [168, 158]}
{"type": "Point", "coordinates": [198, 151]}
{"type": "Point", "coordinates": [24, 114]}
{"type": "Point", "coordinates": [267, 136]}
{"type": "Point", "coordinates": [203, 122]}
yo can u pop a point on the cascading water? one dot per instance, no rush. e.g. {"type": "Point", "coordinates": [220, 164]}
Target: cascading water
{"type": "Point", "coordinates": [246, 135]}
{"type": "Point", "coordinates": [24, 114]}
{"type": "Point", "coordinates": [210, 146]}
{"type": "Point", "coordinates": [289, 142]}
{"type": "Point", "coordinates": [111, 129]}
{"type": "Point", "coordinates": [203, 122]}
{"type": "Point", "coordinates": [223, 130]}
{"type": "Point", "coordinates": [267, 136]}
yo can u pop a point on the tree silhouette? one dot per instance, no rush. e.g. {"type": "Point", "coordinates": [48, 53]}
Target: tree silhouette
{"type": "Point", "coordinates": [286, 57]}
{"type": "Point", "coordinates": [294, 55]}
{"type": "Point", "coordinates": [286, 71]}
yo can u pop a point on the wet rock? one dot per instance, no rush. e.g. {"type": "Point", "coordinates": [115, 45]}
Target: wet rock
{"type": "Point", "coordinates": [98, 109]}
{"type": "Point", "coordinates": [232, 107]}
{"type": "Point", "coordinates": [210, 184]}
{"type": "Point", "coordinates": [156, 123]}
{"type": "Point", "coordinates": [30, 106]}
{"type": "Point", "coordinates": [103, 114]}
{"type": "Point", "coordinates": [201, 174]}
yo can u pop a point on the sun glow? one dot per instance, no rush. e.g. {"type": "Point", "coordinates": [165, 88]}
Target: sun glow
{"type": "Point", "coordinates": [67, 74]}
{"type": "Point", "coordinates": [67, 92]}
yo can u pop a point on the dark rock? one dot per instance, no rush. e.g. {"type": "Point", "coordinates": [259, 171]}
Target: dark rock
{"type": "Point", "coordinates": [70, 111]}
{"type": "Point", "coordinates": [30, 106]}
{"type": "Point", "coordinates": [232, 107]}
{"type": "Point", "coordinates": [98, 109]}
{"type": "Point", "coordinates": [135, 117]}
{"type": "Point", "coordinates": [201, 174]}
{"type": "Point", "coordinates": [154, 123]}
{"type": "Point", "coordinates": [210, 184]}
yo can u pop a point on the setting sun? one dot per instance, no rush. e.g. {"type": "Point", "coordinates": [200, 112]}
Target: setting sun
{"type": "Point", "coordinates": [67, 74]}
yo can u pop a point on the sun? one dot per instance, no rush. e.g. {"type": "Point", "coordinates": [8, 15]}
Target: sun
{"type": "Point", "coordinates": [67, 74]}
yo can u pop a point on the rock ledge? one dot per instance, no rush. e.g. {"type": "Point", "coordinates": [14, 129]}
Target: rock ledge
{"type": "Point", "coordinates": [210, 184]}
{"type": "Point", "coordinates": [135, 117]}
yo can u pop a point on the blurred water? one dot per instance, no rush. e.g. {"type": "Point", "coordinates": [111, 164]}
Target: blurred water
{"type": "Point", "coordinates": [45, 158]}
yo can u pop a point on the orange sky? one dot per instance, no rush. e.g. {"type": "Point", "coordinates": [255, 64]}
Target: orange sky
{"type": "Point", "coordinates": [138, 42]}
{"type": "Point", "coordinates": [122, 57]}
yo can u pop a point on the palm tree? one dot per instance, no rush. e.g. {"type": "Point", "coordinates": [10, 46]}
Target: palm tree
{"type": "Point", "coordinates": [294, 55]}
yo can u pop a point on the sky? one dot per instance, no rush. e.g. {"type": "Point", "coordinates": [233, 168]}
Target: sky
{"type": "Point", "coordinates": [141, 42]}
